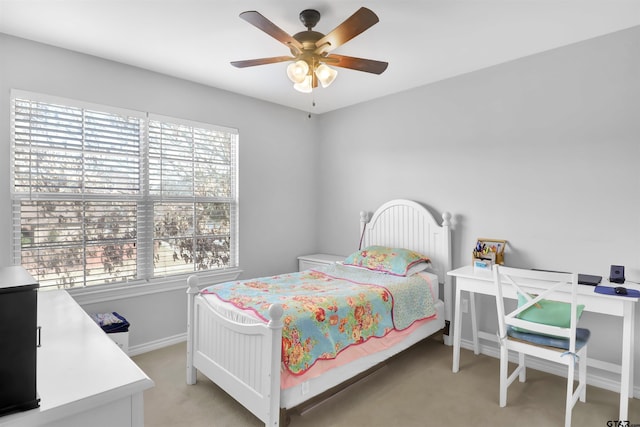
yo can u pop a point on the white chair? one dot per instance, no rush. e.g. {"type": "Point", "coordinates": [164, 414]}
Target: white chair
{"type": "Point", "coordinates": [559, 341]}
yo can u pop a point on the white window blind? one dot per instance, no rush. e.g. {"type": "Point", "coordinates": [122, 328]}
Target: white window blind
{"type": "Point", "coordinates": [192, 184]}
{"type": "Point", "coordinates": [110, 196]}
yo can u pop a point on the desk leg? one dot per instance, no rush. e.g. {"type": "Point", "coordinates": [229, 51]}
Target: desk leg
{"type": "Point", "coordinates": [632, 350]}
{"type": "Point", "coordinates": [626, 369]}
{"type": "Point", "coordinates": [474, 323]}
{"type": "Point", "coordinates": [457, 329]}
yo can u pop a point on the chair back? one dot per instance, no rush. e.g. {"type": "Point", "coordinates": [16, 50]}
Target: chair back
{"type": "Point", "coordinates": [537, 289]}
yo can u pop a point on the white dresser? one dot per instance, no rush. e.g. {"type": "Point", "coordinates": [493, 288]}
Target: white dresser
{"type": "Point", "coordinates": [309, 261]}
{"type": "Point", "coordinates": [83, 377]}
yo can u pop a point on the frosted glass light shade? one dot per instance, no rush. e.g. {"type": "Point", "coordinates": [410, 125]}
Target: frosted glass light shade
{"type": "Point", "coordinates": [325, 74]}
{"type": "Point", "coordinates": [306, 86]}
{"type": "Point", "coordinates": [297, 71]}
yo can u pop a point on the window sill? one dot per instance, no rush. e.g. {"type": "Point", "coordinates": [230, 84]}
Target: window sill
{"type": "Point", "coordinates": [102, 293]}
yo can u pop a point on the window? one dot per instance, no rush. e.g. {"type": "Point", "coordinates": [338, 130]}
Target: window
{"type": "Point", "coordinates": [102, 195]}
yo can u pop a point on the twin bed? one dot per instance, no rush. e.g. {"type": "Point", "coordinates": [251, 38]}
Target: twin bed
{"type": "Point", "coordinates": [254, 347]}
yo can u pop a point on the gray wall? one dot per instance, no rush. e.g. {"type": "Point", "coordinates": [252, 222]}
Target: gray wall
{"type": "Point", "coordinates": [542, 151]}
{"type": "Point", "coordinates": [277, 155]}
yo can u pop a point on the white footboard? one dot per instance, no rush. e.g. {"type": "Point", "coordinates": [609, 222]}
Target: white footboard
{"type": "Point", "coordinates": [242, 359]}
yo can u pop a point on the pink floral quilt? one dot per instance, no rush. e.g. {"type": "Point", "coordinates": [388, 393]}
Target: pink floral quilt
{"type": "Point", "coordinates": [331, 308]}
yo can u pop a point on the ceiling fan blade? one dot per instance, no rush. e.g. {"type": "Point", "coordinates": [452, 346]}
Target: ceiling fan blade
{"type": "Point", "coordinates": [360, 64]}
{"type": "Point", "coordinates": [357, 23]}
{"type": "Point", "coordinates": [259, 21]}
{"type": "Point", "coordinates": [261, 61]}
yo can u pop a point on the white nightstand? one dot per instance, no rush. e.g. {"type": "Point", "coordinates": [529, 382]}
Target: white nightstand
{"type": "Point", "coordinates": [306, 262]}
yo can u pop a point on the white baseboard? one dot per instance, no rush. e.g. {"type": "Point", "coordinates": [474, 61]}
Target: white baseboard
{"type": "Point", "coordinates": [490, 349]}
{"type": "Point", "coordinates": [157, 344]}
{"type": "Point", "coordinates": [593, 378]}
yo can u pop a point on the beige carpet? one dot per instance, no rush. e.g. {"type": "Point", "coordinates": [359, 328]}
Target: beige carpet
{"type": "Point", "coordinates": [415, 389]}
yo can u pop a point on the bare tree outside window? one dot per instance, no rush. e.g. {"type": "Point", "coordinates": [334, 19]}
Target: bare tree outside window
{"type": "Point", "coordinates": [103, 197]}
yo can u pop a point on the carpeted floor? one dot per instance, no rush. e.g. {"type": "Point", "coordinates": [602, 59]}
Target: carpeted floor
{"type": "Point", "coordinates": [415, 389]}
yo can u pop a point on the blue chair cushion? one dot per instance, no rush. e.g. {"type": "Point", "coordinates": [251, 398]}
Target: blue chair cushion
{"type": "Point", "coordinates": [582, 336]}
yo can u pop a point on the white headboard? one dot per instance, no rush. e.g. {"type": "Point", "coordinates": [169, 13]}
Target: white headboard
{"type": "Point", "coordinates": [407, 224]}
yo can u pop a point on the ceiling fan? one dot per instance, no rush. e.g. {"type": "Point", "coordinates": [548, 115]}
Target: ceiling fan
{"type": "Point", "coordinates": [310, 49]}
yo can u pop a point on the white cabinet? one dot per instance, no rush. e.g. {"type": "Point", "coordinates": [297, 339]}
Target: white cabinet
{"type": "Point", "coordinates": [306, 262]}
{"type": "Point", "coordinates": [83, 377]}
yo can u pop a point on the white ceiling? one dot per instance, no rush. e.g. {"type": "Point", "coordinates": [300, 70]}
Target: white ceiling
{"type": "Point", "coordinates": [423, 40]}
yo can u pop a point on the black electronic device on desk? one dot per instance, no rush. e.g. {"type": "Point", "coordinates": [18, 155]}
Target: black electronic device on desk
{"type": "Point", "coordinates": [617, 274]}
{"type": "Point", "coordinates": [583, 279]}
{"type": "Point", "coordinates": [589, 279]}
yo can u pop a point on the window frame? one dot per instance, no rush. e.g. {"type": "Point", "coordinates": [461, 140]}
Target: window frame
{"type": "Point", "coordinates": [146, 282]}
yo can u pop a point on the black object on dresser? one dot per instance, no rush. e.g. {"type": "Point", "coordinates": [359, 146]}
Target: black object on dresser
{"type": "Point", "coordinates": [18, 340]}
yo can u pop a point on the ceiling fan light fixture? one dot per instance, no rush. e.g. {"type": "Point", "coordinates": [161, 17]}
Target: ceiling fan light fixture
{"type": "Point", "coordinates": [298, 71]}
{"type": "Point", "coordinates": [325, 74]}
{"type": "Point", "coordinates": [310, 49]}
{"type": "Point", "coordinates": [306, 86]}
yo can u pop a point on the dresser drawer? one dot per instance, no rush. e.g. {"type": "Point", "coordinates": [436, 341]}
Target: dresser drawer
{"type": "Point", "coordinates": [306, 262]}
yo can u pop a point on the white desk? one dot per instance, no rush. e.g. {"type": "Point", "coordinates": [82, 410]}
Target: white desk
{"type": "Point", "coordinates": [83, 377]}
{"type": "Point", "coordinates": [482, 283]}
